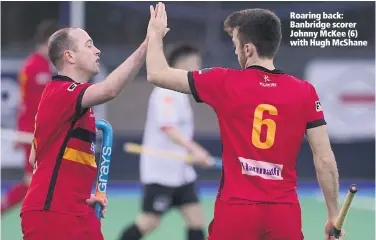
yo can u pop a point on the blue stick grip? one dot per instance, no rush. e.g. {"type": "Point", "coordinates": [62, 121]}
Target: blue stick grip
{"type": "Point", "coordinates": [98, 210]}
{"type": "Point", "coordinates": [104, 162]}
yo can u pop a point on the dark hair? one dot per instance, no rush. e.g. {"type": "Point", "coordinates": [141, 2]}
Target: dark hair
{"type": "Point", "coordinates": [58, 43]}
{"type": "Point", "coordinates": [44, 30]}
{"type": "Point", "coordinates": [260, 27]}
{"type": "Point", "coordinates": [180, 50]}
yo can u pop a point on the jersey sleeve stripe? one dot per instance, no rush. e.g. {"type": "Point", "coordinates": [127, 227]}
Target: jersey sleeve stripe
{"type": "Point", "coordinates": [79, 157]}
{"type": "Point", "coordinates": [83, 134]}
{"type": "Point", "coordinates": [80, 145]}
{"type": "Point", "coordinates": [79, 102]}
{"type": "Point", "coordinates": [192, 86]}
{"type": "Point", "coordinates": [316, 123]}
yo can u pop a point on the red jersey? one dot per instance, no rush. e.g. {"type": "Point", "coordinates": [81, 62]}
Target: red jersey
{"type": "Point", "coordinates": [64, 140]}
{"type": "Point", "coordinates": [33, 77]}
{"type": "Point", "coordinates": [262, 116]}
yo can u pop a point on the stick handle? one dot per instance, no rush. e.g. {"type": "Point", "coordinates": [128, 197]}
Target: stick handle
{"type": "Point", "coordinates": [336, 231]}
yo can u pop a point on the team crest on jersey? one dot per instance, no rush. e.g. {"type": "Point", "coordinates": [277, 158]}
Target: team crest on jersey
{"type": "Point", "coordinates": [73, 86]}
{"type": "Point", "coordinates": [318, 106]}
{"type": "Point", "coordinates": [267, 82]}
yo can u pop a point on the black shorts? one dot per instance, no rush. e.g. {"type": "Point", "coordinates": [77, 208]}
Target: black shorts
{"type": "Point", "coordinates": [159, 199]}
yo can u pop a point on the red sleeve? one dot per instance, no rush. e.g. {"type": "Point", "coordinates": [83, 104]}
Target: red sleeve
{"type": "Point", "coordinates": [70, 95]}
{"type": "Point", "coordinates": [207, 85]}
{"type": "Point", "coordinates": [314, 109]}
{"type": "Point", "coordinates": [33, 77]}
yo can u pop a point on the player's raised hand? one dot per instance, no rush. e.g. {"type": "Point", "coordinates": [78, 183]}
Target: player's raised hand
{"type": "Point", "coordinates": [158, 21]}
{"type": "Point", "coordinates": [102, 201]}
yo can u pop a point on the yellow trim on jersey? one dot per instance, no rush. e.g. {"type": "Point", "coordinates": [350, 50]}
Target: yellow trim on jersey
{"type": "Point", "coordinates": [22, 77]}
{"type": "Point", "coordinates": [80, 157]}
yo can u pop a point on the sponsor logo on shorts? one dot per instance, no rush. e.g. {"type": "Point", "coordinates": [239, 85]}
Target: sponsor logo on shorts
{"type": "Point", "coordinates": [265, 170]}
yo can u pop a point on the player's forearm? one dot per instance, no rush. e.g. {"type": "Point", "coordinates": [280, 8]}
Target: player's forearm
{"type": "Point", "coordinates": [113, 85]}
{"type": "Point", "coordinates": [126, 72]}
{"type": "Point", "coordinates": [327, 175]}
{"type": "Point", "coordinates": [155, 59]}
{"type": "Point", "coordinates": [160, 73]}
{"type": "Point", "coordinates": [175, 136]}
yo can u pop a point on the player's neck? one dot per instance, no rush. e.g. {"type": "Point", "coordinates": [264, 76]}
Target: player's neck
{"type": "Point", "coordinates": [266, 63]}
{"type": "Point", "coordinates": [74, 75]}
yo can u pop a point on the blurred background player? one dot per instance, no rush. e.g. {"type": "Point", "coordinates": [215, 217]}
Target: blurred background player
{"type": "Point", "coordinates": [263, 114]}
{"type": "Point", "coordinates": [33, 77]}
{"type": "Point", "coordinates": [169, 182]}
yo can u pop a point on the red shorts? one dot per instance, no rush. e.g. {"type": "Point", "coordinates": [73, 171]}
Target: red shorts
{"type": "Point", "coordinates": [28, 168]}
{"type": "Point", "coordinates": [44, 225]}
{"type": "Point", "coordinates": [256, 221]}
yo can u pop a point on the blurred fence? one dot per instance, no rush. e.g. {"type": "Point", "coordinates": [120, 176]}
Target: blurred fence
{"type": "Point", "coordinates": [344, 77]}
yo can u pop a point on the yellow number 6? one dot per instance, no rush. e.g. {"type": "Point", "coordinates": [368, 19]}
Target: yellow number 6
{"type": "Point", "coordinates": [270, 124]}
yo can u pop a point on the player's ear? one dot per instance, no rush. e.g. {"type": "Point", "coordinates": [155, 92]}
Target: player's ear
{"type": "Point", "coordinates": [69, 56]}
{"type": "Point", "coordinates": [249, 49]}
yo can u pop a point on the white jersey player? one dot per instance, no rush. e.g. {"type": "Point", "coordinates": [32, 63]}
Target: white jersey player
{"type": "Point", "coordinates": [167, 110]}
{"type": "Point", "coordinates": [170, 182]}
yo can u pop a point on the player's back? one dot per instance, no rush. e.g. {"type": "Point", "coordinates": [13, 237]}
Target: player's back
{"type": "Point", "coordinates": [262, 121]}
{"type": "Point", "coordinates": [64, 140]}
{"type": "Point", "coordinates": [34, 74]}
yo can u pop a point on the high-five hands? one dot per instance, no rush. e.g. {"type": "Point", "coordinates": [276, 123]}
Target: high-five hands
{"type": "Point", "coordinates": [158, 21]}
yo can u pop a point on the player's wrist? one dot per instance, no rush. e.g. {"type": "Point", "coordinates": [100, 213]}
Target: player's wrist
{"type": "Point", "coordinates": [192, 147]}
{"type": "Point", "coordinates": [154, 36]}
{"type": "Point", "coordinates": [333, 214]}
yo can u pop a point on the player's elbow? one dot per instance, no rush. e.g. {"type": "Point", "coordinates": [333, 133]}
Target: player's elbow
{"type": "Point", "coordinates": [158, 76]}
{"type": "Point", "coordinates": [153, 77]}
{"type": "Point", "coordinates": [110, 94]}
{"type": "Point", "coordinates": [325, 162]}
